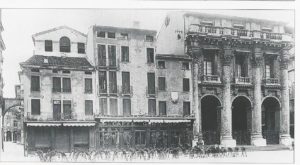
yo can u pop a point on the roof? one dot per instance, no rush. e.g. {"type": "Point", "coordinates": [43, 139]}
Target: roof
{"type": "Point", "coordinates": [69, 62]}
{"type": "Point", "coordinates": [58, 28]}
{"type": "Point", "coordinates": [124, 29]}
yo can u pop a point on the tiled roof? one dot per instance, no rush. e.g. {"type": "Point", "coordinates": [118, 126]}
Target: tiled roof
{"type": "Point", "coordinates": [45, 61]}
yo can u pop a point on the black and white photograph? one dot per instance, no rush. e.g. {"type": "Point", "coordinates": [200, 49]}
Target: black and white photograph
{"type": "Point", "coordinates": [140, 85]}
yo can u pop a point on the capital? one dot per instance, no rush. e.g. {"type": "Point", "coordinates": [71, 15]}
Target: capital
{"type": "Point", "coordinates": [284, 59]}
{"type": "Point", "coordinates": [227, 56]}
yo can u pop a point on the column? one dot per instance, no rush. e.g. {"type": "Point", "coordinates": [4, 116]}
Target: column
{"type": "Point", "coordinates": [285, 137]}
{"type": "Point", "coordinates": [256, 133]}
{"type": "Point", "coordinates": [226, 118]}
{"type": "Point", "coordinates": [196, 123]}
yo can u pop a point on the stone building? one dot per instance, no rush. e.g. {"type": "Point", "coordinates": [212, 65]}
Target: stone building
{"type": "Point", "coordinates": [239, 71]}
{"type": "Point", "coordinates": [58, 92]}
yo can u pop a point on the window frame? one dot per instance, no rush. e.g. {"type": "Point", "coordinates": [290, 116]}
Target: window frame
{"type": "Point", "coordinates": [38, 112]}
{"type": "Point", "coordinates": [50, 48]}
{"type": "Point", "coordinates": [86, 90]}
{"type": "Point", "coordinates": [159, 83]}
{"type": "Point", "coordinates": [38, 88]}
{"type": "Point", "coordinates": [99, 32]}
{"type": "Point", "coordinates": [81, 48]}
{"type": "Point", "coordinates": [186, 88]}
{"type": "Point", "coordinates": [114, 35]}
{"type": "Point", "coordinates": [150, 57]}
{"type": "Point", "coordinates": [88, 108]}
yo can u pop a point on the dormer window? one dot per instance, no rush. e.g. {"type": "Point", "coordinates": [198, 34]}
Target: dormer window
{"type": "Point", "coordinates": [64, 44]}
{"type": "Point", "coordinates": [48, 46]}
{"type": "Point", "coordinates": [111, 35]}
{"type": "Point", "coordinates": [81, 48]}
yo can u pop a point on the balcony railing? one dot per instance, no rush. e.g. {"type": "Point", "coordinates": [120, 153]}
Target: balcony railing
{"type": "Point", "coordinates": [243, 80]}
{"type": "Point", "coordinates": [152, 92]}
{"type": "Point", "coordinates": [145, 116]}
{"type": "Point", "coordinates": [197, 28]}
{"type": "Point", "coordinates": [211, 78]}
{"type": "Point", "coordinates": [126, 90]}
{"type": "Point", "coordinates": [103, 63]}
{"type": "Point", "coordinates": [46, 116]}
{"type": "Point", "coordinates": [271, 81]}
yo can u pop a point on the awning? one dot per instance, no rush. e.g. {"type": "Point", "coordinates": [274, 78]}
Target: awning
{"type": "Point", "coordinates": [115, 120]}
{"type": "Point", "coordinates": [78, 124]}
{"type": "Point", "coordinates": [242, 51]}
{"type": "Point", "coordinates": [141, 121]}
{"type": "Point", "coordinates": [43, 124]}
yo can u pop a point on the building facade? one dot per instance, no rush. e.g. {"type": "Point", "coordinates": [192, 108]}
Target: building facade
{"type": "Point", "coordinates": [58, 92]}
{"type": "Point", "coordinates": [240, 76]}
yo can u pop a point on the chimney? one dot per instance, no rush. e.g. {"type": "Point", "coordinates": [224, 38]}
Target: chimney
{"type": "Point", "coordinates": [136, 24]}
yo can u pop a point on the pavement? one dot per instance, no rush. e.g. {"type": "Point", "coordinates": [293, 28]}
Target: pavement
{"type": "Point", "coordinates": [272, 154]}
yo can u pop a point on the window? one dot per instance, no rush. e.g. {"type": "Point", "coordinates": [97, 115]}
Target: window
{"type": "Point", "coordinates": [111, 35]}
{"type": "Point", "coordinates": [186, 84]}
{"type": "Point", "coordinates": [35, 107]}
{"type": "Point", "coordinates": [88, 85]}
{"type": "Point", "coordinates": [81, 48]}
{"type": "Point", "coordinates": [126, 107]}
{"type": "Point", "coordinates": [56, 84]}
{"type": "Point", "coordinates": [102, 82]}
{"type": "Point", "coordinates": [269, 68]}
{"type": "Point", "coordinates": [67, 109]}
{"type": "Point", "coordinates": [64, 44]}
{"type": "Point", "coordinates": [162, 108]}
{"type": "Point", "coordinates": [88, 107]}
{"type": "Point", "coordinates": [66, 85]}
{"type": "Point", "coordinates": [185, 66]}
{"type": "Point", "coordinates": [113, 107]}
{"type": "Point", "coordinates": [88, 72]}
{"type": "Point", "coordinates": [112, 82]}
{"type": "Point", "coordinates": [150, 55]}
{"type": "Point", "coordinates": [125, 54]}
{"type": "Point", "coordinates": [56, 109]}
{"type": "Point", "coordinates": [124, 36]}
{"type": "Point", "coordinates": [162, 83]}
{"type": "Point", "coordinates": [48, 46]}
{"type": "Point", "coordinates": [241, 66]}
{"type": "Point", "coordinates": [15, 123]}
{"type": "Point", "coordinates": [151, 83]}
{"type": "Point", "coordinates": [208, 65]}
{"type": "Point", "coordinates": [149, 38]}
{"type": "Point", "coordinates": [101, 34]}
{"type": "Point", "coordinates": [35, 70]}
{"type": "Point", "coordinates": [54, 71]}
{"type": "Point", "coordinates": [35, 83]}
{"type": "Point", "coordinates": [66, 72]}
{"type": "Point", "coordinates": [101, 55]}
{"type": "Point", "coordinates": [126, 82]}
{"type": "Point", "coordinates": [112, 55]}
{"type": "Point", "coordinates": [140, 137]}
{"type": "Point", "coordinates": [186, 108]}
{"type": "Point", "coordinates": [152, 107]}
{"type": "Point", "coordinates": [103, 106]}
{"type": "Point", "coordinates": [161, 64]}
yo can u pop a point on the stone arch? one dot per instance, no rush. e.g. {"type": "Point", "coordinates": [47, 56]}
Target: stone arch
{"type": "Point", "coordinates": [220, 101]}
{"type": "Point", "coordinates": [279, 102]}
{"type": "Point", "coordinates": [245, 96]}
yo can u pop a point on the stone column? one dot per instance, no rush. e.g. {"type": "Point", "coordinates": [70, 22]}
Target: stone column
{"type": "Point", "coordinates": [285, 138]}
{"type": "Point", "coordinates": [226, 118]}
{"type": "Point", "coordinates": [256, 130]}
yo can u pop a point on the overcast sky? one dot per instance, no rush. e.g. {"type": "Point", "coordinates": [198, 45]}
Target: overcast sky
{"type": "Point", "coordinates": [20, 24]}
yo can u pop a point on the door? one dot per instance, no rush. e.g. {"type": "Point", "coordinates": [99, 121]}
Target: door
{"type": "Point", "coordinates": [62, 139]}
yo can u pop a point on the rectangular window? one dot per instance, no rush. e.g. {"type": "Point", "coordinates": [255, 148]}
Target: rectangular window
{"type": "Point", "coordinates": [162, 83]}
{"type": "Point", "coordinates": [208, 65]}
{"type": "Point", "coordinates": [111, 35]}
{"type": "Point", "coordinates": [140, 137]}
{"type": "Point", "coordinates": [149, 38]}
{"type": "Point", "coordinates": [186, 108]}
{"type": "Point", "coordinates": [186, 84]}
{"type": "Point", "coordinates": [56, 109]}
{"type": "Point", "coordinates": [102, 82]}
{"type": "Point", "coordinates": [66, 85]}
{"type": "Point", "coordinates": [101, 55]}
{"type": "Point", "coordinates": [124, 36]}
{"type": "Point", "coordinates": [151, 83]}
{"type": "Point", "coordinates": [112, 55]}
{"type": "Point", "coordinates": [112, 82]}
{"type": "Point", "coordinates": [269, 68]}
{"type": "Point", "coordinates": [48, 46]}
{"type": "Point", "coordinates": [88, 85]}
{"type": "Point", "coordinates": [126, 82]}
{"type": "Point", "coordinates": [103, 106]}
{"type": "Point", "coordinates": [35, 107]}
{"type": "Point", "coordinates": [101, 34]}
{"type": "Point", "coordinates": [151, 107]}
{"type": "Point", "coordinates": [35, 83]}
{"type": "Point", "coordinates": [162, 108]}
{"type": "Point", "coordinates": [66, 72]}
{"type": "Point", "coordinates": [113, 107]}
{"type": "Point", "coordinates": [67, 108]}
{"type": "Point", "coordinates": [88, 107]}
{"type": "Point", "coordinates": [126, 107]}
{"type": "Point", "coordinates": [125, 54]}
{"type": "Point", "coordinates": [56, 84]}
{"type": "Point", "coordinates": [161, 64]}
{"type": "Point", "coordinates": [81, 48]}
{"type": "Point", "coordinates": [150, 55]}
{"type": "Point", "coordinates": [185, 66]}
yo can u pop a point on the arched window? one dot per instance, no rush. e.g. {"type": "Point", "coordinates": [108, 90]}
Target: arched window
{"type": "Point", "coordinates": [64, 44]}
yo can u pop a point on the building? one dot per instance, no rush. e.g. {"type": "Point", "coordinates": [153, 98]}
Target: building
{"type": "Point", "coordinates": [2, 47]}
{"type": "Point", "coordinates": [239, 74]}
{"type": "Point", "coordinates": [291, 73]}
{"type": "Point", "coordinates": [57, 83]}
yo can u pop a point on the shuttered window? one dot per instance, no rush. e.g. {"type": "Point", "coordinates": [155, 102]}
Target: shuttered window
{"type": "Point", "coordinates": [88, 107]}
{"type": "Point", "coordinates": [162, 108]}
{"type": "Point", "coordinates": [126, 82]}
{"type": "Point", "coordinates": [48, 46]}
{"type": "Point", "coordinates": [151, 83]}
{"type": "Point", "coordinates": [102, 82]}
{"type": "Point", "coordinates": [112, 82]}
{"type": "Point", "coordinates": [186, 85]}
{"type": "Point", "coordinates": [67, 109]}
{"type": "Point", "coordinates": [112, 55]}
{"type": "Point", "coordinates": [66, 85]}
{"type": "Point", "coordinates": [81, 137]}
{"type": "Point", "coordinates": [103, 106]}
{"type": "Point", "coordinates": [162, 83]}
{"type": "Point", "coordinates": [186, 108]}
{"type": "Point", "coordinates": [150, 55]}
{"type": "Point", "coordinates": [35, 83]}
{"type": "Point", "coordinates": [113, 107]}
{"type": "Point", "coordinates": [35, 107]}
{"type": "Point", "coordinates": [88, 85]}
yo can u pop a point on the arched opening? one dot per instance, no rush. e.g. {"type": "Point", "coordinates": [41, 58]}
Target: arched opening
{"type": "Point", "coordinates": [64, 44]}
{"type": "Point", "coordinates": [241, 120]}
{"type": "Point", "coordinates": [271, 120]}
{"type": "Point", "coordinates": [210, 113]}
{"type": "Point", "coordinates": [8, 136]}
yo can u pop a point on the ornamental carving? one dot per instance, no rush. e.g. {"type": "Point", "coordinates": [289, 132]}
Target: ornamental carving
{"type": "Point", "coordinates": [227, 56]}
{"type": "Point", "coordinates": [284, 60]}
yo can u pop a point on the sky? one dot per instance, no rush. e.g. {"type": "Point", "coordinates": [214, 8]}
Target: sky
{"type": "Point", "coordinates": [20, 24]}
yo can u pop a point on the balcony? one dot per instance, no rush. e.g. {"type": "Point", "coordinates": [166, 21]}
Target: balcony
{"type": "Point", "coordinates": [271, 81]}
{"type": "Point", "coordinates": [243, 80]}
{"type": "Point", "coordinates": [211, 78]}
{"type": "Point", "coordinates": [44, 116]}
{"type": "Point", "coordinates": [109, 64]}
{"type": "Point", "coordinates": [241, 33]}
